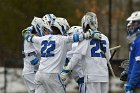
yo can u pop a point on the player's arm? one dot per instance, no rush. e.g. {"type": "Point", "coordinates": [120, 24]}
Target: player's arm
{"type": "Point", "coordinates": [34, 57]}
{"type": "Point", "coordinates": [32, 38]}
{"type": "Point", "coordinates": [79, 52]}
{"type": "Point", "coordinates": [77, 56]}
{"type": "Point", "coordinates": [135, 73]}
{"type": "Point", "coordinates": [74, 60]}
{"type": "Point", "coordinates": [89, 34]}
{"type": "Point", "coordinates": [70, 65]}
{"type": "Point", "coordinates": [26, 33]}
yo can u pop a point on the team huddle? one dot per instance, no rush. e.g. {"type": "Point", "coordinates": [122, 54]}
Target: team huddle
{"type": "Point", "coordinates": [53, 51]}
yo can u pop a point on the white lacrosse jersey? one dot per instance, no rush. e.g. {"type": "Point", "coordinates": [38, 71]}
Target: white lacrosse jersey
{"type": "Point", "coordinates": [28, 67]}
{"type": "Point", "coordinates": [53, 52]}
{"type": "Point", "coordinates": [95, 61]}
{"type": "Point", "coordinates": [77, 71]}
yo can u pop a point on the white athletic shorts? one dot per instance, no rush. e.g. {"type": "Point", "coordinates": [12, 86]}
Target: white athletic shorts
{"type": "Point", "coordinates": [29, 82]}
{"type": "Point", "coordinates": [50, 81]}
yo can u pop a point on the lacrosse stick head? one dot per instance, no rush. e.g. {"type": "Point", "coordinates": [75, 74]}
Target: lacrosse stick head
{"type": "Point", "coordinates": [124, 64]}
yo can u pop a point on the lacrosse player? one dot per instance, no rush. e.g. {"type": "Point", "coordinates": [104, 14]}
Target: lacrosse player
{"type": "Point", "coordinates": [94, 55]}
{"type": "Point", "coordinates": [31, 62]}
{"type": "Point", "coordinates": [133, 31]}
{"type": "Point", "coordinates": [77, 72]}
{"type": "Point", "coordinates": [33, 55]}
{"type": "Point", "coordinates": [53, 53]}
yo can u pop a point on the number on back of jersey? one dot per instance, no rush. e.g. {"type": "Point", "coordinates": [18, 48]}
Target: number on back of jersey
{"type": "Point", "coordinates": [47, 48]}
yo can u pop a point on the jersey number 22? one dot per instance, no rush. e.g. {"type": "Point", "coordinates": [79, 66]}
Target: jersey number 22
{"type": "Point", "coordinates": [47, 47]}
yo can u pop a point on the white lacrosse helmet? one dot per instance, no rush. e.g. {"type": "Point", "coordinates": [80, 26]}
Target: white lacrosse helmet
{"type": "Point", "coordinates": [75, 29]}
{"type": "Point", "coordinates": [133, 25]}
{"type": "Point", "coordinates": [40, 26]}
{"type": "Point", "coordinates": [89, 19]}
{"type": "Point", "coordinates": [61, 24]}
{"type": "Point", "coordinates": [49, 18]}
{"type": "Point", "coordinates": [134, 16]}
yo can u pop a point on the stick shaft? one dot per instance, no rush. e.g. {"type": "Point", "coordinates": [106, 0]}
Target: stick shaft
{"type": "Point", "coordinates": [110, 67]}
{"type": "Point", "coordinates": [109, 64]}
{"type": "Point", "coordinates": [113, 48]}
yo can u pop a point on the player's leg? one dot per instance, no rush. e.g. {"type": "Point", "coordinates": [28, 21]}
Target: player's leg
{"type": "Point", "coordinates": [53, 83]}
{"type": "Point", "coordinates": [93, 87]}
{"type": "Point", "coordinates": [29, 82]}
{"type": "Point", "coordinates": [40, 89]}
{"type": "Point", "coordinates": [39, 85]}
{"type": "Point", "coordinates": [58, 85]}
{"type": "Point", "coordinates": [104, 87]}
{"type": "Point", "coordinates": [26, 84]}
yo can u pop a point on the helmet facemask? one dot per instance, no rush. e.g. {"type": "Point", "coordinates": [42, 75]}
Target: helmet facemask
{"type": "Point", "coordinates": [133, 30]}
{"type": "Point", "coordinates": [133, 27]}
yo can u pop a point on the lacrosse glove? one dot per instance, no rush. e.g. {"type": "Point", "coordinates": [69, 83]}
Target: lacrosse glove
{"type": "Point", "coordinates": [28, 30]}
{"type": "Point", "coordinates": [124, 75]}
{"type": "Point", "coordinates": [93, 34]}
{"type": "Point", "coordinates": [64, 73]}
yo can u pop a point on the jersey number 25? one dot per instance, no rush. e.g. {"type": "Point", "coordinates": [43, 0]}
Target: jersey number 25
{"type": "Point", "coordinates": [98, 49]}
{"type": "Point", "coordinates": [47, 47]}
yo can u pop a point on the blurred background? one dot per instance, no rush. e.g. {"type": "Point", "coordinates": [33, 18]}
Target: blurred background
{"type": "Point", "coordinates": [16, 15]}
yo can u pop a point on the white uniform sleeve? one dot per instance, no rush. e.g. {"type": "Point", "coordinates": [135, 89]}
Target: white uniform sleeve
{"type": "Point", "coordinates": [73, 38]}
{"type": "Point", "coordinates": [69, 54]}
{"type": "Point", "coordinates": [80, 51]}
{"type": "Point", "coordinates": [82, 47]}
{"type": "Point", "coordinates": [71, 47]}
{"type": "Point", "coordinates": [65, 39]}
